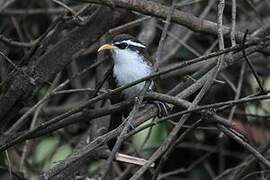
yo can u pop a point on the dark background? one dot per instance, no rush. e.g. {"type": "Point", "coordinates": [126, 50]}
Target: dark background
{"type": "Point", "coordinates": [54, 127]}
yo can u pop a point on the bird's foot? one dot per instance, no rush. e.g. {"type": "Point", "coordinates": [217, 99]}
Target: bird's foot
{"type": "Point", "coordinates": [163, 108]}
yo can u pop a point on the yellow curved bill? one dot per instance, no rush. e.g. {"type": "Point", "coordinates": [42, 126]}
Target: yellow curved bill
{"type": "Point", "coordinates": [105, 47]}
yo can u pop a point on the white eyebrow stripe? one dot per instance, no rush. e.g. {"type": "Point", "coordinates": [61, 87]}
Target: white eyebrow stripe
{"type": "Point", "coordinates": [129, 42]}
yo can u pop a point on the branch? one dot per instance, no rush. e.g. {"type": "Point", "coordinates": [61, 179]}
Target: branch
{"type": "Point", "coordinates": [155, 9]}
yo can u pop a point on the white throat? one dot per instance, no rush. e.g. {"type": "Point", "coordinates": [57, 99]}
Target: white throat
{"type": "Point", "coordinates": [128, 67]}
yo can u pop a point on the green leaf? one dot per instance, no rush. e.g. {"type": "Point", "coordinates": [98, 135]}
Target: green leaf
{"type": "Point", "coordinates": [155, 138]}
{"type": "Point", "coordinates": [61, 153]}
{"type": "Point", "coordinates": [44, 149]}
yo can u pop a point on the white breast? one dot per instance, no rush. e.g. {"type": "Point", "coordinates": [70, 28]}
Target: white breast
{"type": "Point", "coordinates": [128, 67]}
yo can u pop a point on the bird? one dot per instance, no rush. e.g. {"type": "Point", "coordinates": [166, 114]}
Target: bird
{"type": "Point", "coordinates": [131, 62]}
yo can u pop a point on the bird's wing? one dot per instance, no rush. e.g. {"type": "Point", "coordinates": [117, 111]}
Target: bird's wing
{"type": "Point", "coordinates": [148, 59]}
{"type": "Point", "coordinates": [151, 61]}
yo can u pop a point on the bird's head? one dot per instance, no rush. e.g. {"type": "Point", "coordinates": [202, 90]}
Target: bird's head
{"type": "Point", "coordinates": [124, 45]}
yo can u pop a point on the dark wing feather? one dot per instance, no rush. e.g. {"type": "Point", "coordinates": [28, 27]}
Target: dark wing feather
{"type": "Point", "coordinates": [151, 61]}
{"type": "Point", "coordinates": [148, 59]}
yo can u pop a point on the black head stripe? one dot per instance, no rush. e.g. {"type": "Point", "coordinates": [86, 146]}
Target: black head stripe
{"type": "Point", "coordinates": [121, 45]}
{"type": "Point", "coordinates": [126, 39]}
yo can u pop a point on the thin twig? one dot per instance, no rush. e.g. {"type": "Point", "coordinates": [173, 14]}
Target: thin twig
{"type": "Point", "coordinates": [171, 148]}
{"type": "Point", "coordinates": [233, 23]}
{"type": "Point", "coordinates": [251, 66]}
{"type": "Point", "coordinates": [163, 35]}
{"type": "Point", "coordinates": [32, 80]}
{"type": "Point", "coordinates": [20, 122]}
{"type": "Point", "coordinates": [185, 170]}
{"type": "Point", "coordinates": [5, 5]}
{"type": "Point", "coordinates": [75, 15]}
{"type": "Point", "coordinates": [247, 146]}
{"type": "Point", "coordinates": [36, 11]}
{"type": "Point", "coordinates": [238, 92]}
{"type": "Point", "coordinates": [17, 43]}
{"type": "Point", "coordinates": [9, 165]}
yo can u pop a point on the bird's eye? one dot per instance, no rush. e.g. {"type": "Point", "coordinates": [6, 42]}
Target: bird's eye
{"type": "Point", "coordinates": [122, 45]}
